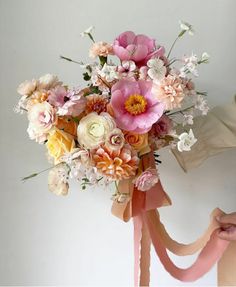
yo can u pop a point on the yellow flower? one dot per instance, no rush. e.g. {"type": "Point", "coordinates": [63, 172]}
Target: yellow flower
{"type": "Point", "coordinates": [138, 141]}
{"type": "Point", "coordinates": [59, 143]}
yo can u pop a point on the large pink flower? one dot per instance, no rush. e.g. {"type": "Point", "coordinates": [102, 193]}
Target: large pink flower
{"type": "Point", "coordinates": [139, 48]}
{"type": "Point", "coordinates": [134, 106]}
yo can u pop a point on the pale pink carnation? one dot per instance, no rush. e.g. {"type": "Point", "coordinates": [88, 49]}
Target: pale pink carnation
{"type": "Point", "coordinates": [146, 180]}
{"type": "Point", "coordinates": [170, 91]}
{"type": "Point", "coordinates": [100, 49]}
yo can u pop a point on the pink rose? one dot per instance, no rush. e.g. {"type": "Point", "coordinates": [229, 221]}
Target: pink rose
{"type": "Point", "coordinates": [146, 180]}
{"type": "Point", "coordinates": [162, 126]}
{"type": "Point", "coordinates": [138, 48]}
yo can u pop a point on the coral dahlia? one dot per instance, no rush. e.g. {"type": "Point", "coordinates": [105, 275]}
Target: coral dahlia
{"type": "Point", "coordinates": [116, 165]}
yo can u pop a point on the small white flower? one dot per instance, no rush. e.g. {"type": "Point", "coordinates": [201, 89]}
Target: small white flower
{"type": "Point", "coordinates": [190, 65]}
{"type": "Point", "coordinates": [109, 73]}
{"type": "Point", "coordinates": [21, 105]}
{"type": "Point", "coordinates": [156, 70]}
{"type": "Point", "coordinates": [128, 65]}
{"type": "Point", "coordinates": [186, 27]}
{"type": "Point", "coordinates": [186, 141]}
{"type": "Point", "coordinates": [201, 105]}
{"type": "Point", "coordinates": [188, 119]}
{"type": "Point", "coordinates": [87, 31]}
{"type": "Point", "coordinates": [205, 58]}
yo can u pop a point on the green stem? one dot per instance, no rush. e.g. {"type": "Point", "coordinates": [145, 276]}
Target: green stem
{"type": "Point", "coordinates": [37, 173]}
{"type": "Point", "coordinates": [172, 46]}
{"type": "Point", "coordinates": [180, 111]}
{"type": "Point", "coordinates": [70, 60]}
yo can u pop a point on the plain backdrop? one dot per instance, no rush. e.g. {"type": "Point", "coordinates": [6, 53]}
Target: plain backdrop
{"type": "Point", "coordinates": [50, 240]}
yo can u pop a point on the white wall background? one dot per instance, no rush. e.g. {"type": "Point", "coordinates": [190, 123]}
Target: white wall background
{"type": "Point", "coordinates": [48, 240]}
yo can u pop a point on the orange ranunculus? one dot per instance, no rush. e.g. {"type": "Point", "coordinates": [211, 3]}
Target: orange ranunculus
{"type": "Point", "coordinates": [59, 142]}
{"type": "Point", "coordinates": [138, 141]}
{"type": "Point", "coordinates": [67, 125]}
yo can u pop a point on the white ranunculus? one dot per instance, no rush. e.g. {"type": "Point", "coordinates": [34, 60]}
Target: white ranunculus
{"type": "Point", "coordinates": [27, 87]}
{"type": "Point", "coordinates": [157, 70]}
{"type": "Point", "coordinates": [186, 141]}
{"type": "Point", "coordinates": [48, 81]}
{"type": "Point", "coordinates": [93, 129]}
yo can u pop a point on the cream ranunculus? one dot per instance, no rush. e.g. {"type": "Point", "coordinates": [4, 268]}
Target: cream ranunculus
{"type": "Point", "coordinates": [27, 87]}
{"type": "Point", "coordinates": [93, 129]}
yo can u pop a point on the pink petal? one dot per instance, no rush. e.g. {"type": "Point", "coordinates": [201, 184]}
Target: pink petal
{"type": "Point", "coordinates": [126, 122]}
{"type": "Point", "coordinates": [137, 52]}
{"type": "Point", "coordinates": [126, 38]}
{"type": "Point", "coordinates": [143, 39]}
{"type": "Point", "coordinates": [145, 87]}
{"type": "Point", "coordinates": [127, 87]}
{"type": "Point", "coordinates": [117, 101]}
{"type": "Point", "coordinates": [121, 53]}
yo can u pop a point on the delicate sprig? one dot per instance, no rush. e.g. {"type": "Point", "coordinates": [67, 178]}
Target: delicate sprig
{"type": "Point", "coordinates": [88, 32]}
{"type": "Point", "coordinates": [185, 27]}
{"type": "Point", "coordinates": [37, 173]}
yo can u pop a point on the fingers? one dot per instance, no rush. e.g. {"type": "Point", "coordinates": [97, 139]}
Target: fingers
{"type": "Point", "coordinates": [228, 234]}
{"type": "Point", "coordinates": [227, 218]}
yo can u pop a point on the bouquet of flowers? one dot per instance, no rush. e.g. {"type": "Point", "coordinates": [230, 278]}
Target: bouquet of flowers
{"type": "Point", "coordinates": [135, 99]}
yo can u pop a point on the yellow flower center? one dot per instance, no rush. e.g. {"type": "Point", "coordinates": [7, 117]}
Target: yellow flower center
{"type": "Point", "coordinates": [136, 104]}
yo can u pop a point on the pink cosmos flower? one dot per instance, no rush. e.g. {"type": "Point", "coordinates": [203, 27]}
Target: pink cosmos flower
{"type": "Point", "coordinates": [134, 106]}
{"type": "Point", "coordinates": [139, 48]}
{"type": "Point", "coordinates": [75, 104]}
{"type": "Point", "coordinates": [57, 96]}
{"type": "Point", "coordinates": [146, 180]}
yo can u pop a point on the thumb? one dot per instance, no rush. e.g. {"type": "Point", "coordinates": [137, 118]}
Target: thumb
{"type": "Point", "coordinates": [227, 218]}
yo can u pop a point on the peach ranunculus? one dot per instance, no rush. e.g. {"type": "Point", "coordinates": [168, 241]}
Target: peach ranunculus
{"type": "Point", "coordinates": [100, 49]}
{"type": "Point", "coordinates": [59, 143]}
{"type": "Point", "coordinates": [57, 180]}
{"type": "Point", "coordinates": [138, 141]}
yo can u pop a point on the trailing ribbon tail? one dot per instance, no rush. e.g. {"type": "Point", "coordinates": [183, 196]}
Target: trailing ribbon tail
{"type": "Point", "coordinates": [209, 255]}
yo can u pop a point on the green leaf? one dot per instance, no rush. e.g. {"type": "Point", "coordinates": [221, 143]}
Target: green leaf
{"type": "Point", "coordinates": [86, 76]}
{"type": "Point", "coordinates": [29, 176]}
{"type": "Point", "coordinates": [103, 60]}
{"type": "Point", "coordinates": [182, 33]}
